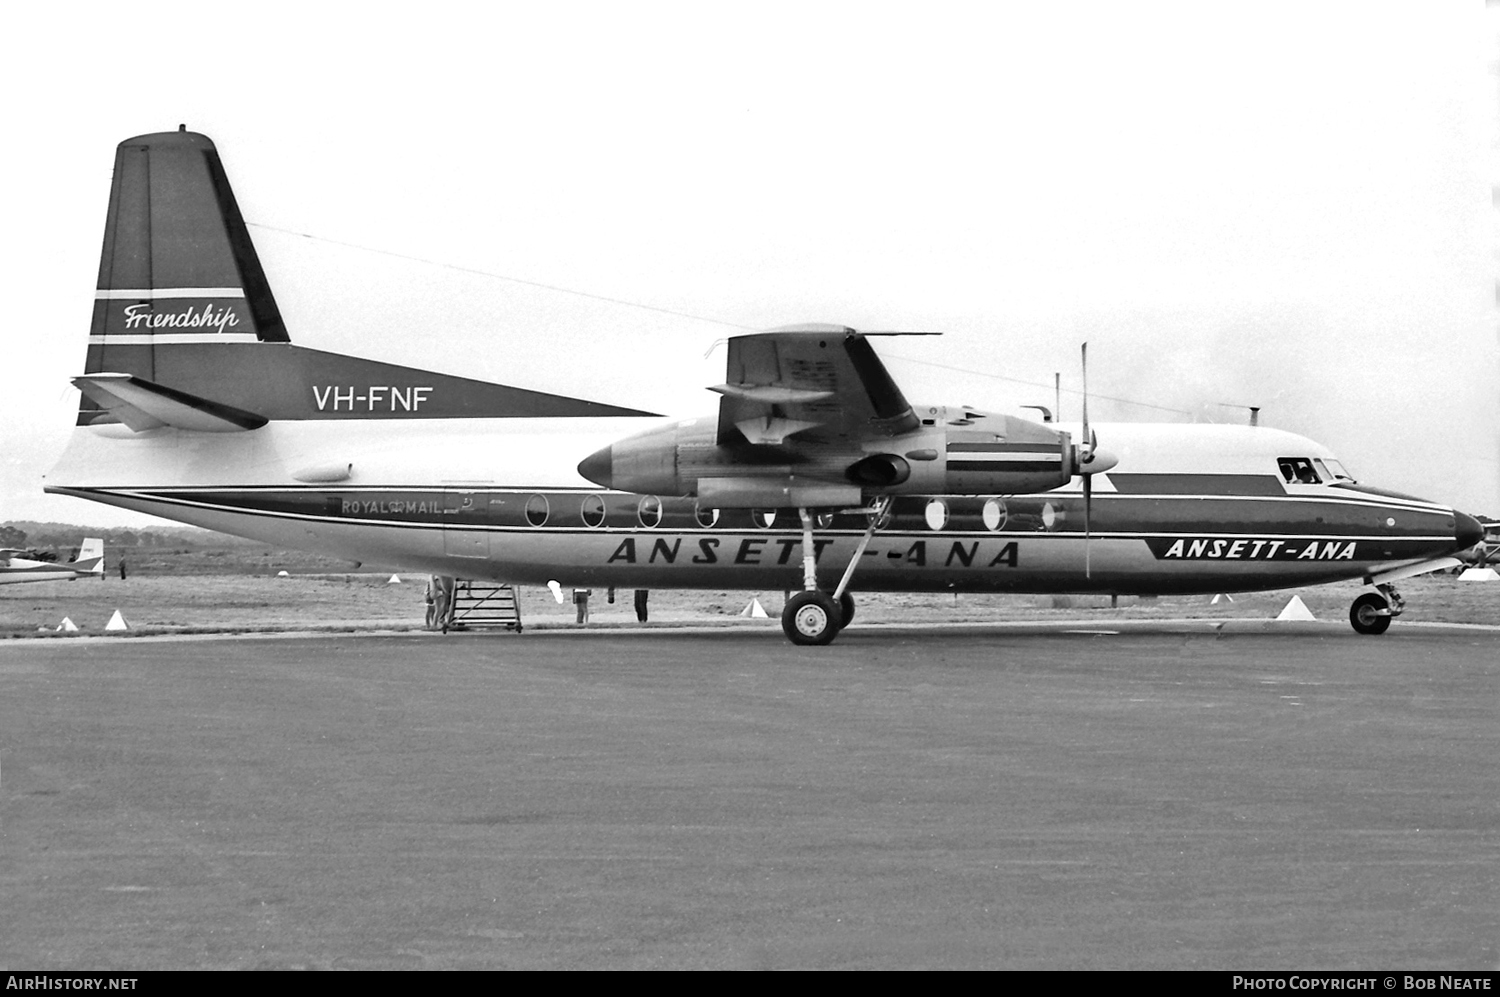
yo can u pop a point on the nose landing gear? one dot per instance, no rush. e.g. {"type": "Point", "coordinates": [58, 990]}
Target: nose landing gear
{"type": "Point", "coordinates": [1372, 613]}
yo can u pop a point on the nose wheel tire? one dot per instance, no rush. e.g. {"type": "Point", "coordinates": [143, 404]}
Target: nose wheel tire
{"type": "Point", "coordinates": [1370, 614]}
{"type": "Point", "coordinates": [810, 618]}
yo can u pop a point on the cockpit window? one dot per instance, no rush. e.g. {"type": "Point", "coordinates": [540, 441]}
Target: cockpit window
{"type": "Point", "coordinates": [1337, 470]}
{"type": "Point", "coordinates": [1298, 471]}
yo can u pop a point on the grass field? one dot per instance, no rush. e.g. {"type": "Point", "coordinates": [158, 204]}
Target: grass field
{"type": "Point", "coordinates": [194, 603]}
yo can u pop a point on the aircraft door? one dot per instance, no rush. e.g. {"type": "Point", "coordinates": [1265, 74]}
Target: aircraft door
{"type": "Point", "coordinates": [465, 514]}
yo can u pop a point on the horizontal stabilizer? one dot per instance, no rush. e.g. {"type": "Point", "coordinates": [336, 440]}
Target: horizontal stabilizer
{"type": "Point", "coordinates": [142, 405]}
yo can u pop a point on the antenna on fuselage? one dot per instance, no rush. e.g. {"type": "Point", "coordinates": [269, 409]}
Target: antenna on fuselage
{"type": "Point", "coordinates": [1254, 411]}
{"type": "Point", "coordinates": [1046, 412]}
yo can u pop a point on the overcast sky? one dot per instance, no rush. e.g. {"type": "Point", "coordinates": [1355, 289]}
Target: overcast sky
{"type": "Point", "coordinates": [1283, 205]}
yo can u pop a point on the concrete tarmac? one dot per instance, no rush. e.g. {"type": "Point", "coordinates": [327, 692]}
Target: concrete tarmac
{"type": "Point", "coordinates": [1235, 797]}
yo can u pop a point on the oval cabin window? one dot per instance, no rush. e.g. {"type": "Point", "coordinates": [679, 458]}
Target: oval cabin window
{"type": "Point", "coordinates": [649, 511]}
{"type": "Point", "coordinates": [763, 518]}
{"type": "Point", "coordinates": [706, 517]}
{"type": "Point", "coordinates": [537, 510]}
{"type": "Point", "coordinates": [592, 511]}
{"type": "Point", "coordinates": [936, 514]}
{"type": "Point", "coordinates": [995, 514]}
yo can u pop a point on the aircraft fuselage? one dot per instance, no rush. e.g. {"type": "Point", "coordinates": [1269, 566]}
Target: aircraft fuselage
{"type": "Point", "coordinates": [1188, 509]}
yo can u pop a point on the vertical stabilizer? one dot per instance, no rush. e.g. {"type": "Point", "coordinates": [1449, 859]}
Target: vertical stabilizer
{"type": "Point", "coordinates": [186, 335]}
{"type": "Point", "coordinates": [178, 265]}
{"type": "Point", "coordinates": [90, 556]}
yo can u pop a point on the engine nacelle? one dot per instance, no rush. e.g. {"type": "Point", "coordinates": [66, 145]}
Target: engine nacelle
{"type": "Point", "coordinates": [951, 453]}
{"type": "Point", "coordinates": [880, 470]}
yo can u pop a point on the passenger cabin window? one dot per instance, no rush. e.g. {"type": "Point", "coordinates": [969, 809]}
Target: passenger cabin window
{"type": "Point", "coordinates": [1298, 471]}
{"type": "Point", "coordinates": [592, 511]}
{"type": "Point", "coordinates": [537, 510]}
{"type": "Point", "coordinates": [648, 511]}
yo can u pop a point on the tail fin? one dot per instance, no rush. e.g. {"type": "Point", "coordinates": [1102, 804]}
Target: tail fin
{"type": "Point", "coordinates": [90, 556]}
{"type": "Point", "coordinates": [186, 333]}
{"type": "Point", "coordinates": [178, 265]}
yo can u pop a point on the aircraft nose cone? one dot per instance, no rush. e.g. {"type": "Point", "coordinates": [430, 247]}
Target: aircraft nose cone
{"type": "Point", "coordinates": [598, 467]}
{"type": "Point", "coordinates": [1467, 531]}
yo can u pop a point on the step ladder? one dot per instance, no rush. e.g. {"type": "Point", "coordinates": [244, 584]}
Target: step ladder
{"type": "Point", "coordinates": [483, 604]}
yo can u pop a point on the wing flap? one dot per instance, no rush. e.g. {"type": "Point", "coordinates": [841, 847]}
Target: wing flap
{"type": "Point", "coordinates": [142, 405]}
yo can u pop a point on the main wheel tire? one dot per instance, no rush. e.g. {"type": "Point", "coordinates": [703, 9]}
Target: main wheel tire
{"type": "Point", "coordinates": [810, 618]}
{"type": "Point", "coordinates": [1369, 614]}
{"type": "Point", "coordinates": [846, 610]}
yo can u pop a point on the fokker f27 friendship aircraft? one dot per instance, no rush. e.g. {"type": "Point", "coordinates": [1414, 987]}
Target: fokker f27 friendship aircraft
{"type": "Point", "coordinates": [816, 473]}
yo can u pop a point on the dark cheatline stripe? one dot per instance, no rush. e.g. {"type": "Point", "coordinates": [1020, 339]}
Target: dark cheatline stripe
{"type": "Point", "coordinates": [1190, 518]}
{"type": "Point", "coordinates": [1197, 484]}
{"type": "Point", "coordinates": [995, 466]}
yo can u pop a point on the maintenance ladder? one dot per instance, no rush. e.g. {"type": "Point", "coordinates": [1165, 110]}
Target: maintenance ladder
{"type": "Point", "coordinates": [483, 604]}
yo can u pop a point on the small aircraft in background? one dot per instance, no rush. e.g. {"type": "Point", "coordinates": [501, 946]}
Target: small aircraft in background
{"type": "Point", "coordinates": [1487, 551]}
{"type": "Point", "coordinates": [89, 564]}
{"type": "Point", "coordinates": [196, 406]}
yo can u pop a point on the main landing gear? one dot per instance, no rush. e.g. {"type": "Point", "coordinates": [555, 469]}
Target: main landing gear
{"type": "Point", "coordinates": [812, 616]}
{"type": "Point", "coordinates": [1372, 613]}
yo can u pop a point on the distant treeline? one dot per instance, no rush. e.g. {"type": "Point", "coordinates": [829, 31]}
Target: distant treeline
{"type": "Point", "coordinates": [26, 534]}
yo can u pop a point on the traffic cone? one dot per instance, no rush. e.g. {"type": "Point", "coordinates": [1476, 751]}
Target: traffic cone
{"type": "Point", "coordinates": [754, 611]}
{"type": "Point", "coordinates": [1296, 609]}
{"type": "Point", "coordinates": [117, 622]}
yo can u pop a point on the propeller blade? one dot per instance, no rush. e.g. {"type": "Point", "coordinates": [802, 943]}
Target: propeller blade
{"type": "Point", "coordinates": [1086, 392]}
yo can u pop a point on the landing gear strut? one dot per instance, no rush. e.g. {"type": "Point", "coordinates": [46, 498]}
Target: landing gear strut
{"type": "Point", "coordinates": [1372, 613]}
{"type": "Point", "coordinates": [813, 617]}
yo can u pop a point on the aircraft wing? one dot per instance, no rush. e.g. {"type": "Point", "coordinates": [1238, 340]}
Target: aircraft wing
{"type": "Point", "coordinates": [825, 381]}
